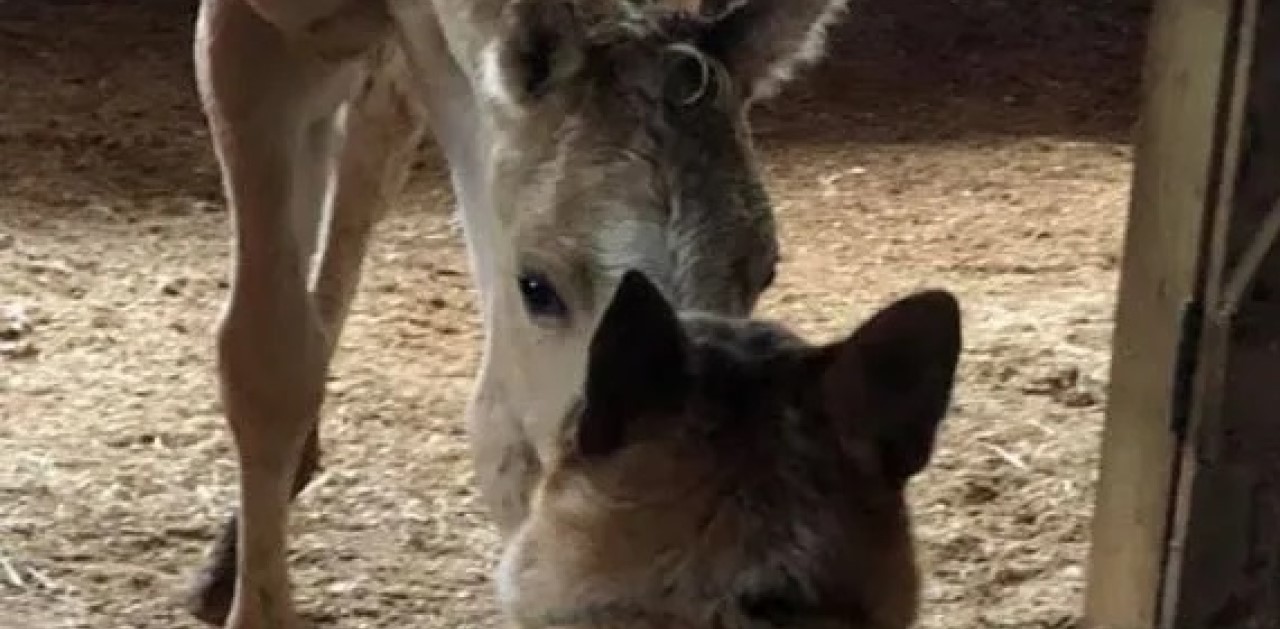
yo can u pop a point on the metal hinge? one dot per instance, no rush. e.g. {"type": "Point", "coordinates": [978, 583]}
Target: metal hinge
{"type": "Point", "coordinates": [1186, 361]}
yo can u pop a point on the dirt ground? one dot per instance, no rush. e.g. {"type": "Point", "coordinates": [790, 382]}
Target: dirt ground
{"type": "Point", "coordinates": [967, 145]}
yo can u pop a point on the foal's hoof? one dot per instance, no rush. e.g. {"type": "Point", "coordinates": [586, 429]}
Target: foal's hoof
{"type": "Point", "coordinates": [211, 591]}
{"type": "Point", "coordinates": [209, 597]}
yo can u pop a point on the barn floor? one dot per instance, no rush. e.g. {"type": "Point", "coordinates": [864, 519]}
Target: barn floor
{"type": "Point", "coordinates": [944, 144]}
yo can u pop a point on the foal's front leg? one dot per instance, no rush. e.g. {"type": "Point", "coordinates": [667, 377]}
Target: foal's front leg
{"type": "Point", "coordinates": [271, 109]}
{"type": "Point", "coordinates": [382, 128]}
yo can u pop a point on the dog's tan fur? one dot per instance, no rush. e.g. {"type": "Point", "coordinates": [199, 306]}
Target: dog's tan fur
{"type": "Point", "coordinates": [766, 492]}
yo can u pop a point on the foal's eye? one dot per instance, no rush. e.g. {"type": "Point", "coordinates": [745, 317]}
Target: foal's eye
{"type": "Point", "coordinates": [540, 298]}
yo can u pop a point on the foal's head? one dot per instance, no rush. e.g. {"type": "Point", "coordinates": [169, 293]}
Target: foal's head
{"type": "Point", "coordinates": [619, 140]}
{"type": "Point", "coordinates": [722, 473]}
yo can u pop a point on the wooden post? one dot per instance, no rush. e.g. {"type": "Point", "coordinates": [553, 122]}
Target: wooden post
{"type": "Point", "coordinates": [1187, 529]}
{"type": "Point", "coordinates": [1160, 285]}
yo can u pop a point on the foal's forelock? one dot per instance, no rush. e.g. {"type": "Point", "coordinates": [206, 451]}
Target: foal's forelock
{"type": "Point", "coordinates": [618, 28]}
{"type": "Point", "coordinates": [674, 33]}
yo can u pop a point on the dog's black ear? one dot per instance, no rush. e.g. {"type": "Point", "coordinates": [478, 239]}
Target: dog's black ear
{"type": "Point", "coordinates": [893, 377]}
{"type": "Point", "coordinates": [637, 366]}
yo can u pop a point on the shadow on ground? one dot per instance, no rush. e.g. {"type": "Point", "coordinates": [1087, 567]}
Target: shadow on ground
{"type": "Point", "coordinates": [100, 94]}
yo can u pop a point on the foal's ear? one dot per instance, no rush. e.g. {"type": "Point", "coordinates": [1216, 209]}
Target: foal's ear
{"type": "Point", "coordinates": [892, 378]}
{"type": "Point", "coordinates": [541, 44]}
{"type": "Point", "coordinates": [763, 42]}
{"type": "Point", "coordinates": [636, 366]}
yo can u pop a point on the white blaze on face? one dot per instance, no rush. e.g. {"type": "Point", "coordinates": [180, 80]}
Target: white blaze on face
{"type": "Point", "coordinates": [633, 243]}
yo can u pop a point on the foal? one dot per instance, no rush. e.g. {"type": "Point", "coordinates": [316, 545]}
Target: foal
{"type": "Point", "coordinates": [723, 474]}
{"type": "Point", "coordinates": [582, 137]}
